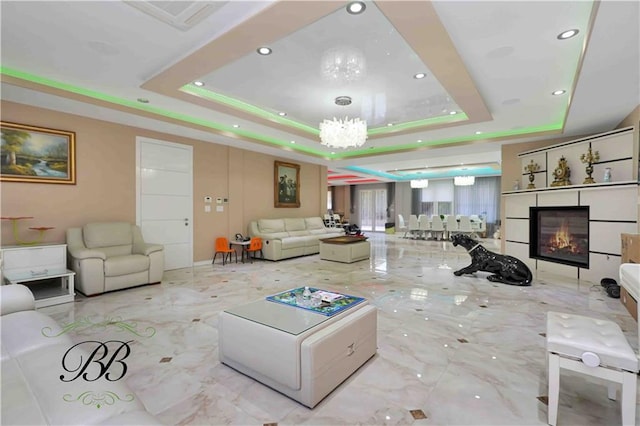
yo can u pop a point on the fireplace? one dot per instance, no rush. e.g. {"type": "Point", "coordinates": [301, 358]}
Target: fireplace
{"type": "Point", "coordinates": [560, 234]}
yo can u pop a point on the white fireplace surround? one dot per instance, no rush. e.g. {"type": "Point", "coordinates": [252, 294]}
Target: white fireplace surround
{"type": "Point", "coordinates": [613, 206]}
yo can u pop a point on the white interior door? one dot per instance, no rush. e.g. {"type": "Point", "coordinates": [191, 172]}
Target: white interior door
{"type": "Point", "coordinates": [164, 202]}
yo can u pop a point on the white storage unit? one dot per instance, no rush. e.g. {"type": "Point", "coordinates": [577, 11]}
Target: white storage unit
{"type": "Point", "coordinates": [42, 268]}
{"type": "Point", "coordinates": [613, 206]}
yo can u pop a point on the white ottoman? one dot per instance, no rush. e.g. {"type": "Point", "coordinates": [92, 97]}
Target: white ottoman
{"type": "Point", "coordinates": [593, 347]}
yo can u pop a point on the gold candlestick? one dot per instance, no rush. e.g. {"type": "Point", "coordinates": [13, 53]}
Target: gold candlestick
{"type": "Point", "coordinates": [589, 158]}
{"type": "Point", "coordinates": [531, 169]}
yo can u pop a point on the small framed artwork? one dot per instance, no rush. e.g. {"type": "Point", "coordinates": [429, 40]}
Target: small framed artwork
{"type": "Point", "coordinates": [37, 154]}
{"type": "Point", "coordinates": [286, 184]}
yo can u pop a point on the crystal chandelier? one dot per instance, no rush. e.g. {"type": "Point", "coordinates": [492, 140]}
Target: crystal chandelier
{"type": "Point", "coordinates": [343, 64]}
{"type": "Point", "coordinates": [346, 133]}
{"type": "Point", "coordinates": [420, 183]}
{"type": "Point", "coordinates": [464, 180]}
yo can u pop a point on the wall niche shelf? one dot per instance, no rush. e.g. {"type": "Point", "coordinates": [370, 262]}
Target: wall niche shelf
{"type": "Point", "coordinates": [574, 187]}
{"type": "Point", "coordinates": [617, 151]}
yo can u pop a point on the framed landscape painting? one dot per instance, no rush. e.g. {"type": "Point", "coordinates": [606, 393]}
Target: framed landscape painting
{"type": "Point", "coordinates": [37, 154]}
{"type": "Point", "coordinates": [286, 184]}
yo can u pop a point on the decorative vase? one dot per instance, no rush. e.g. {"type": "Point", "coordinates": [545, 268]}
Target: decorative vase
{"type": "Point", "coordinates": [516, 185]}
{"type": "Point", "coordinates": [607, 174]}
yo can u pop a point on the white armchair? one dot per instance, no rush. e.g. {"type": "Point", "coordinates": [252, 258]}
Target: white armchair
{"type": "Point", "coordinates": [110, 256]}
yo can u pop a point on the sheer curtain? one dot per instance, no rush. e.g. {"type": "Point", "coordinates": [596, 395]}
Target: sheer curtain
{"type": "Point", "coordinates": [481, 198]}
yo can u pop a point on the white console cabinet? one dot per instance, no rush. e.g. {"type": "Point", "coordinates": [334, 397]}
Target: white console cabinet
{"type": "Point", "coordinates": [42, 268]}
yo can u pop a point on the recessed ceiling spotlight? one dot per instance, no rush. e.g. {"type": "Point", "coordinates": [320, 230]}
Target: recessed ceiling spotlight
{"type": "Point", "coordinates": [356, 7]}
{"type": "Point", "coordinates": [293, 141]}
{"type": "Point", "coordinates": [282, 114]}
{"type": "Point", "coordinates": [558, 92]}
{"type": "Point", "coordinates": [389, 124]}
{"type": "Point", "coordinates": [143, 100]}
{"type": "Point", "coordinates": [478, 132]}
{"type": "Point", "coordinates": [453, 112]}
{"type": "Point", "coordinates": [568, 34]}
{"type": "Point", "coordinates": [264, 50]}
{"type": "Point", "coordinates": [419, 75]}
{"type": "Point", "coordinates": [199, 83]}
{"type": "Point", "coordinates": [333, 152]}
{"type": "Point", "coordinates": [419, 140]}
{"type": "Point", "coordinates": [236, 125]}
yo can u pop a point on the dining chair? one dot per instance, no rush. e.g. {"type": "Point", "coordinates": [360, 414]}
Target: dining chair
{"type": "Point", "coordinates": [222, 247]}
{"type": "Point", "coordinates": [451, 225]}
{"type": "Point", "coordinates": [465, 225]}
{"type": "Point", "coordinates": [437, 227]}
{"type": "Point", "coordinates": [482, 227]}
{"type": "Point", "coordinates": [402, 226]}
{"type": "Point", "coordinates": [414, 226]}
{"type": "Point", "coordinates": [255, 246]}
{"type": "Point", "coordinates": [423, 225]}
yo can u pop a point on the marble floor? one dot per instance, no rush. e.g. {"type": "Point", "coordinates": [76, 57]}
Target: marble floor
{"type": "Point", "coordinates": [451, 350]}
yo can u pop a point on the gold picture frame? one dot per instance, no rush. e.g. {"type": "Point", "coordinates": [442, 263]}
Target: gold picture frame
{"type": "Point", "coordinates": [286, 184]}
{"type": "Point", "coordinates": [37, 154]}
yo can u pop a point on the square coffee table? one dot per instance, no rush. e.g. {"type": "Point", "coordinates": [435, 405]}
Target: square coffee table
{"type": "Point", "coordinates": [302, 354]}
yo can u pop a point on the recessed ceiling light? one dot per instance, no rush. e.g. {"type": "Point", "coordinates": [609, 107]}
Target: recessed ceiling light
{"type": "Point", "coordinates": [389, 124]}
{"type": "Point", "coordinates": [419, 75]}
{"type": "Point", "coordinates": [293, 141]}
{"type": "Point", "coordinates": [568, 34]}
{"type": "Point", "coordinates": [453, 112]}
{"type": "Point", "coordinates": [419, 140]}
{"type": "Point", "coordinates": [558, 92]}
{"type": "Point", "coordinates": [236, 125]}
{"type": "Point", "coordinates": [264, 50]}
{"type": "Point", "coordinates": [333, 152]}
{"type": "Point", "coordinates": [198, 83]}
{"type": "Point", "coordinates": [356, 7]}
{"type": "Point", "coordinates": [282, 114]}
{"type": "Point", "coordinates": [478, 132]}
{"type": "Point", "coordinates": [143, 100]}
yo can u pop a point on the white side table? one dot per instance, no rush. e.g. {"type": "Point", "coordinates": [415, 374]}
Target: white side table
{"type": "Point", "coordinates": [43, 269]}
{"type": "Point", "coordinates": [243, 247]}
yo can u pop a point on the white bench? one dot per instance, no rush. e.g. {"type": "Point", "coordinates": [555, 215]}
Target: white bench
{"type": "Point", "coordinates": [593, 347]}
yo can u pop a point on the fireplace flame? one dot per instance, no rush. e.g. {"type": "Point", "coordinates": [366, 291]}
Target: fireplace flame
{"type": "Point", "coordinates": [563, 240]}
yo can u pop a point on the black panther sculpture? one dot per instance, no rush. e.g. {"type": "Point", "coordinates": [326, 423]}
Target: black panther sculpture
{"type": "Point", "coordinates": [506, 269]}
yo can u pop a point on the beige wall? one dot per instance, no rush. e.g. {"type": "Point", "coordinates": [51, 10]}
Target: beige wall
{"type": "Point", "coordinates": [105, 189]}
{"type": "Point", "coordinates": [342, 200]}
{"type": "Point", "coordinates": [633, 119]}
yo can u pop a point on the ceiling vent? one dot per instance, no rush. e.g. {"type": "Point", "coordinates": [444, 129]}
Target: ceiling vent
{"type": "Point", "coordinates": [182, 15]}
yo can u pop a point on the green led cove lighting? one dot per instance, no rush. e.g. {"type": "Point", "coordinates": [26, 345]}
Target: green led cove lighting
{"type": "Point", "coordinates": [192, 89]}
{"type": "Point", "coordinates": [285, 144]}
{"type": "Point", "coordinates": [419, 123]}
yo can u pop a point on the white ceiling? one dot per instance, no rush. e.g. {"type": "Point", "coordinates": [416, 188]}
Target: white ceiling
{"type": "Point", "coordinates": [110, 54]}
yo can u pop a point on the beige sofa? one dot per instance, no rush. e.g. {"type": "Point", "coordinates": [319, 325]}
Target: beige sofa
{"type": "Point", "coordinates": [285, 238]}
{"type": "Point", "coordinates": [32, 347]}
{"type": "Point", "coordinates": [110, 256]}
